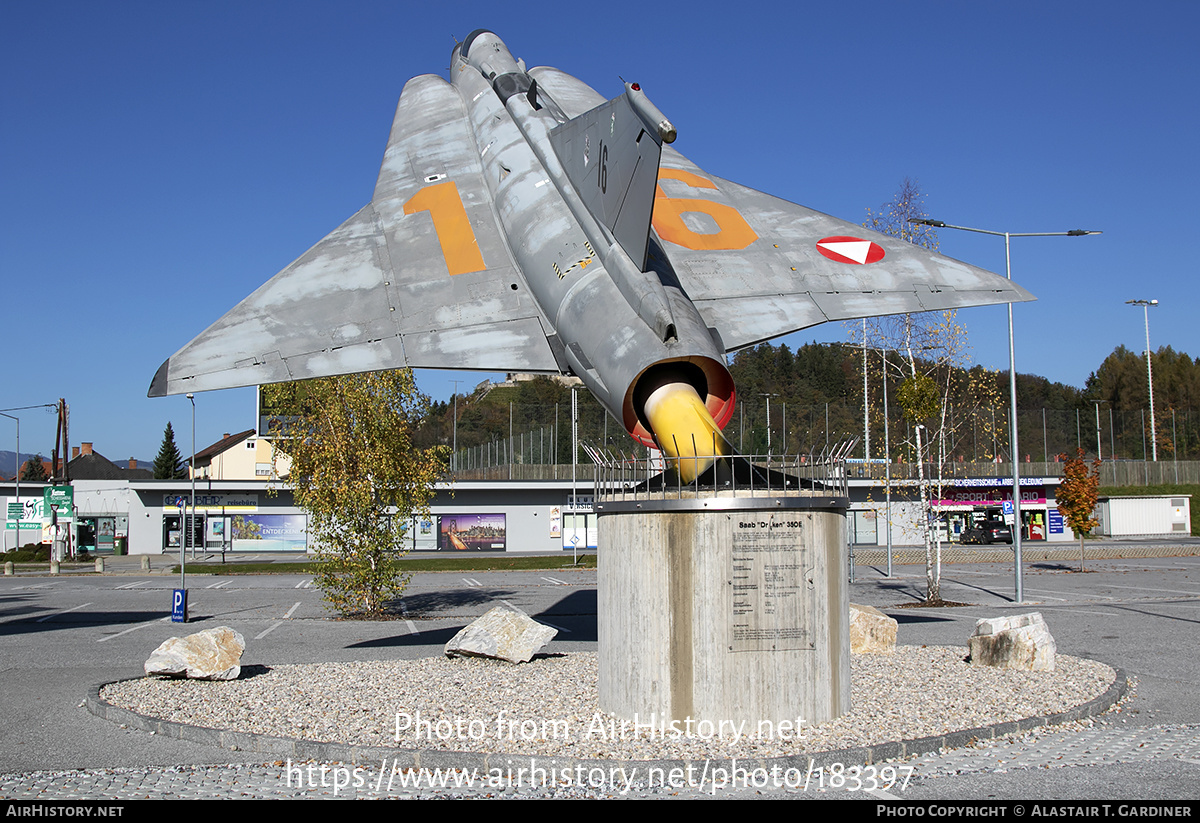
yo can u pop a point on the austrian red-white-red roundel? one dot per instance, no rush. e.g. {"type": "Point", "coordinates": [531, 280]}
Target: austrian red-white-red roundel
{"type": "Point", "coordinates": [854, 250]}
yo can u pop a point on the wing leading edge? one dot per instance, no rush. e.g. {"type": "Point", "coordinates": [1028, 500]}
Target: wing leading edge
{"type": "Point", "coordinates": [420, 277]}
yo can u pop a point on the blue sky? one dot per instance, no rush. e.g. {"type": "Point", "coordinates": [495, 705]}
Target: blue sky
{"type": "Point", "coordinates": [159, 161]}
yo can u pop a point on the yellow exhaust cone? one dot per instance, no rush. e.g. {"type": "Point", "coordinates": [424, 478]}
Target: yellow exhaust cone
{"type": "Point", "coordinates": [685, 430]}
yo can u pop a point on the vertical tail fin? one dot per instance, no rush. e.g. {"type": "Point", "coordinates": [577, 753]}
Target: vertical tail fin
{"type": "Point", "coordinates": [611, 156]}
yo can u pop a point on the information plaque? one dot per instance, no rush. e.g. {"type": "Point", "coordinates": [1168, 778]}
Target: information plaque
{"type": "Point", "coordinates": [770, 571]}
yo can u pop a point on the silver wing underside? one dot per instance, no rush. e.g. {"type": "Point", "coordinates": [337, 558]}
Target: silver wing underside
{"type": "Point", "coordinates": [781, 283]}
{"type": "Point", "coordinates": [378, 292]}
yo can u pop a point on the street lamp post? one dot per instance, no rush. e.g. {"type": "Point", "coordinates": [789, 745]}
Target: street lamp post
{"type": "Point", "coordinates": [1146, 304]}
{"type": "Point", "coordinates": [18, 475]}
{"type": "Point", "coordinates": [1012, 377]}
{"type": "Point", "coordinates": [192, 525]}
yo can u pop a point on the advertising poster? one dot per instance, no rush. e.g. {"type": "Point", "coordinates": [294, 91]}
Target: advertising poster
{"type": "Point", "coordinates": [269, 532]}
{"type": "Point", "coordinates": [30, 511]}
{"type": "Point", "coordinates": [471, 532]}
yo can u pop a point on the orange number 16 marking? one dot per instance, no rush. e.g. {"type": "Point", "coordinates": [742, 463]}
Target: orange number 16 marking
{"type": "Point", "coordinates": [453, 228]}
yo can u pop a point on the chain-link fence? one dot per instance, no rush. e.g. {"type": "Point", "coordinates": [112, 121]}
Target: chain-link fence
{"type": "Point", "coordinates": [534, 441]}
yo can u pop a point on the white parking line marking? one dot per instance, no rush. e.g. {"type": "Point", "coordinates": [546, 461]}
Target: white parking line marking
{"type": "Point", "coordinates": [1151, 589]}
{"type": "Point", "coordinates": [304, 584]}
{"type": "Point", "coordinates": [556, 581]}
{"type": "Point", "coordinates": [133, 585]}
{"type": "Point", "coordinates": [412, 627]}
{"type": "Point", "coordinates": [470, 581]}
{"type": "Point", "coordinates": [64, 611]}
{"type": "Point", "coordinates": [135, 628]}
{"type": "Point", "coordinates": [553, 626]}
{"type": "Point", "coordinates": [220, 585]}
{"type": "Point", "coordinates": [292, 610]}
{"type": "Point", "coordinates": [1044, 596]}
{"type": "Point", "coordinates": [267, 631]}
{"type": "Point", "coordinates": [1075, 610]}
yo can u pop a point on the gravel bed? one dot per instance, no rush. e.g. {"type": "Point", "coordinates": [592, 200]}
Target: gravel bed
{"type": "Point", "coordinates": [549, 706]}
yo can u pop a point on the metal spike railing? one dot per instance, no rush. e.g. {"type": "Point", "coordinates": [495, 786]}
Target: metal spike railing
{"type": "Point", "coordinates": [621, 476]}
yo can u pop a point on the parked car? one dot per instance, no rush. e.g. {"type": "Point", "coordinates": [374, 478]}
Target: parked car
{"type": "Point", "coordinates": [988, 531]}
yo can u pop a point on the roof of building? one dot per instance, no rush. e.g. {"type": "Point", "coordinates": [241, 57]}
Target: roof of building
{"type": "Point", "coordinates": [91, 465]}
{"type": "Point", "coordinates": [205, 456]}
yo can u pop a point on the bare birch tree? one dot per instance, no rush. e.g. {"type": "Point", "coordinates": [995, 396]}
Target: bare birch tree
{"type": "Point", "coordinates": [939, 391]}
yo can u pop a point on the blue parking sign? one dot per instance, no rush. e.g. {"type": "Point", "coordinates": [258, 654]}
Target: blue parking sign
{"type": "Point", "coordinates": [179, 606]}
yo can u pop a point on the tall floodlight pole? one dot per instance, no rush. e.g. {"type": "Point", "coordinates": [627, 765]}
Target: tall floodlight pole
{"type": "Point", "coordinates": [17, 477]}
{"type": "Point", "coordinates": [887, 461]}
{"type": "Point", "coordinates": [574, 482]}
{"type": "Point", "coordinates": [454, 447]}
{"type": "Point", "coordinates": [866, 418]}
{"type": "Point", "coordinates": [1146, 304]}
{"type": "Point", "coordinates": [1012, 379]}
{"type": "Point", "coordinates": [769, 395]}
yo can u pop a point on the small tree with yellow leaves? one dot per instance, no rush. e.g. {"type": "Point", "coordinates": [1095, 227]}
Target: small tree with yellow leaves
{"type": "Point", "coordinates": [356, 472]}
{"type": "Point", "coordinates": [1077, 495]}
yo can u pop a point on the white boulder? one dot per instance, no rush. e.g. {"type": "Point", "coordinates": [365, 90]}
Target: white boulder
{"type": "Point", "coordinates": [1022, 641]}
{"type": "Point", "coordinates": [504, 633]}
{"type": "Point", "coordinates": [213, 654]}
{"type": "Point", "coordinates": [871, 631]}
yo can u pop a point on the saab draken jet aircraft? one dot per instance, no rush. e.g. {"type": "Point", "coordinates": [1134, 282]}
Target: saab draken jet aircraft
{"type": "Point", "coordinates": [522, 223]}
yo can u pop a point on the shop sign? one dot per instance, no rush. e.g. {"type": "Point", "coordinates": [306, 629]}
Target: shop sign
{"type": "Point", "coordinates": [987, 491]}
{"type": "Point", "coordinates": [215, 501]}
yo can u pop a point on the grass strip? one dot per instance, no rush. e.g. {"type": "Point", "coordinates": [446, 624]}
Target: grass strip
{"type": "Point", "coordinates": [411, 564]}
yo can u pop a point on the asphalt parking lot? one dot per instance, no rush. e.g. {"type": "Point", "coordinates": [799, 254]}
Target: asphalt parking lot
{"type": "Point", "coordinates": [59, 636]}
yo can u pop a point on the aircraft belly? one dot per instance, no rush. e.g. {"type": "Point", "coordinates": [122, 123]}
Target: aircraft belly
{"type": "Point", "coordinates": [571, 94]}
{"type": "Point", "coordinates": [543, 236]}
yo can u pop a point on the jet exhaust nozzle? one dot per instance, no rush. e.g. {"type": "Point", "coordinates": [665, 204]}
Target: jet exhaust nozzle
{"type": "Point", "coordinates": [685, 430]}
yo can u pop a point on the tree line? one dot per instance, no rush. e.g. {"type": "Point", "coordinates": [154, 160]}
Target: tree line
{"type": "Point", "coordinates": [815, 393]}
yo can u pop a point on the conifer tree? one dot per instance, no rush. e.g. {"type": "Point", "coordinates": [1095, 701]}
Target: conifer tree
{"type": "Point", "coordinates": [169, 465]}
{"type": "Point", "coordinates": [34, 470]}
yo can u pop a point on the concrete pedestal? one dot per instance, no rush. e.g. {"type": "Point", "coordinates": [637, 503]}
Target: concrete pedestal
{"type": "Point", "coordinates": [729, 609]}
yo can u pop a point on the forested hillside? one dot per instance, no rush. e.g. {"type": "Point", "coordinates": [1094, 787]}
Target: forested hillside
{"type": "Point", "coordinates": [816, 391]}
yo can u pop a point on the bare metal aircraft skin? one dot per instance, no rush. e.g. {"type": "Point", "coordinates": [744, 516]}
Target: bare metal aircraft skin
{"type": "Point", "coordinates": [521, 222]}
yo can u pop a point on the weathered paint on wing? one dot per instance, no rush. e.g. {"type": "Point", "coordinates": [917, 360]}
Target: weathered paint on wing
{"type": "Point", "coordinates": [376, 293]}
{"type": "Point", "coordinates": [493, 242]}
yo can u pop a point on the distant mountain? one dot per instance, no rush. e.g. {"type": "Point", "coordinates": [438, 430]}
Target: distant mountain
{"type": "Point", "coordinates": [8, 463]}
